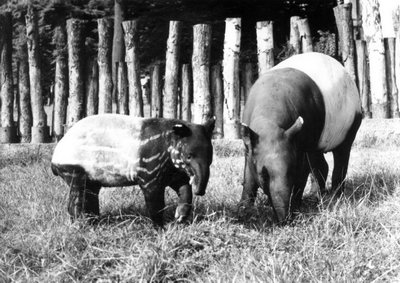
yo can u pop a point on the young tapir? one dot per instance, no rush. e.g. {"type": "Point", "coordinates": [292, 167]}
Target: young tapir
{"type": "Point", "coordinates": [303, 107]}
{"type": "Point", "coordinates": [117, 150]}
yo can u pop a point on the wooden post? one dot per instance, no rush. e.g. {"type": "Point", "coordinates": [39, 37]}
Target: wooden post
{"type": "Point", "coordinates": [105, 68]}
{"type": "Point", "coordinates": [396, 27]}
{"type": "Point", "coordinates": [265, 46]}
{"type": "Point", "coordinates": [119, 68]}
{"type": "Point", "coordinates": [76, 41]}
{"type": "Point", "coordinates": [201, 72]}
{"type": "Point", "coordinates": [344, 24]}
{"type": "Point", "coordinates": [133, 64]}
{"type": "Point", "coordinates": [61, 82]}
{"type": "Point", "coordinates": [376, 53]}
{"type": "Point", "coordinates": [295, 39]}
{"type": "Point", "coordinates": [217, 92]}
{"type": "Point", "coordinates": [8, 131]}
{"type": "Point", "coordinates": [156, 93]}
{"type": "Point", "coordinates": [231, 78]}
{"type": "Point", "coordinates": [172, 70]}
{"type": "Point", "coordinates": [92, 87]}
{"type": "Point", "coordinates": [391, 77]}
{"type": "Point", "coordinates": [40, 130]}
{"type": "Point", "coordinates": [305, 35]}
{"type": "Point", "coordinates": [186, 93]}
{"type": "Point", "coordinates": [24, 101]}
{"type": "Point", "coordinates": [363, 82]}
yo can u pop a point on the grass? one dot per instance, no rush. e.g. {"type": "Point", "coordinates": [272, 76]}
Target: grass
{"type": "Point", "coordinates": [354, 238]}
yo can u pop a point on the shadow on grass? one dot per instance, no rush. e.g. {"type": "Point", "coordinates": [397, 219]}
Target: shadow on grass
{"type": "Point", "coordinates": [369, 189]}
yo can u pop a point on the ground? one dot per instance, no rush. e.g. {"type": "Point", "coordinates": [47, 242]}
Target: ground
{"type": "Point", "coordinates": [353, 238]}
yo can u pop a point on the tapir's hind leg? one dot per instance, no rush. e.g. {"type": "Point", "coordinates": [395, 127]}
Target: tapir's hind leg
{"type": "Point", "coordinates": [341, 156]}
{"type": "Point", "coordinates": [319, 170]}
{"type": "Point", "coordinates": [91, 199]}
{"type": "Point", "coordinates": [84, 194]}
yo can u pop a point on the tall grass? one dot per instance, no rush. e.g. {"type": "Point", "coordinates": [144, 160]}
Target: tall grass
{"type": "Point", "coordinates": [353, 238]}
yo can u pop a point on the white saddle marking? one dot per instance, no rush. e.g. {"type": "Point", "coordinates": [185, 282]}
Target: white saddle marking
{"type": "Point", "coordinates": [339, 92]}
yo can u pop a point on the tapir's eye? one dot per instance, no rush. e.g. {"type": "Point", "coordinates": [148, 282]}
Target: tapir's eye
{"type": "Point", "coordinates": [190, 156]}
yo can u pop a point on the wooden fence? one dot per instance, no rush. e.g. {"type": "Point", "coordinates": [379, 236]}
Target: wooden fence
{"type": "Point", "coordinates": [201, 90]}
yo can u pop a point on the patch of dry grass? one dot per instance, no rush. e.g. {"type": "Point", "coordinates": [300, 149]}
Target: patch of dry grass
{"type": "Point", "coordinates": [354, 238]}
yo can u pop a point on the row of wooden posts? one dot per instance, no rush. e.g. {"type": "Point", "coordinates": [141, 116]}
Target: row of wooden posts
{"type": "Point", "coordinates": [216, 90]}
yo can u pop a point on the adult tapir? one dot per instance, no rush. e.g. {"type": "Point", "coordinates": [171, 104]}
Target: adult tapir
{"type": "Point", "coordinates": [117, 150]}
{"type": "Point", "coordinates": [303, 107]}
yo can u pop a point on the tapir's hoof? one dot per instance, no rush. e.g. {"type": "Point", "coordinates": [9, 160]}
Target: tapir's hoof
{"type": "Point", "coordinates": [182, 212]}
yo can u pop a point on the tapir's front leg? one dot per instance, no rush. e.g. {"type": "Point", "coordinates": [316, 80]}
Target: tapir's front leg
{"type": "Point", "coordinates": [184, 207]}
{"type": "Point", "coordinates": [155, 202]}
{"type": "Point", "coordinates": [249, 192]}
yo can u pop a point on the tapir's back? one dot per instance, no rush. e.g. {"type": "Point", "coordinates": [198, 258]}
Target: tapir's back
{"type": "Point", "coordinates": [100, 143]}
{"type": "Point", "coordinates": [339, 91]}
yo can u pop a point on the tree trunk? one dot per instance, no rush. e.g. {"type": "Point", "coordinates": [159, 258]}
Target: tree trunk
{"type": "Point", "coordinates": [172, 70]}
{"type": "Point", "coordinates": [265, 46]}
{"type": "Point", "coordinates": [344, 24]}
{"type": "Point", "coordinates": [396, 26]}
{"type": "Point", "coordinates": [122, 89]}
{"type": "Point", "coordinates": [295, 39]}
{"type": "Point", "coordinates": [305, 35]}
{"type": "Point", "coordinates": [201, 73]}
{"type": "Point", "coordinates": [25, 117]}
{"type": "Point", "coordinates": [217, 93]}
{"type": "Point", "coordinates": [132, 61]}
{"type": "Point", "coordinates": [376, 52]}
{"type": "Point", "coordinates": [231, 78]}
{"type": "Point", "coordinates": [363, 82]}
{"type": "Point", "coordinates": [61, 82]}
{"type": "Point", "coordinates": [8, 132]}
{"type": "Point", "coordinates": [92, 88]}
{"type": "Point", "coordinates": [76, 62]}
{"type": "Point", "coordinates": [120, 72]}
{"type": "Point", "coordinates": [105, 68]}
{"type": "Point", "coordinates": [156, 93]}
{"type": "Point", "coordinates": [391, 77]}
{"type": "Point", "coordinates": [186, 93]}
{"type": "Point", "coordinates": [40, 130]}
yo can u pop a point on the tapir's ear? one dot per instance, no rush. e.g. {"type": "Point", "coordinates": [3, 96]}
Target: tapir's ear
{"type": "Point", "coordinates": [295, 128]}
{"type": "Point", "coordinates": [182, 130]}
{"type": "Point", "coordinates": [209, 126]}
{"type": "Point", "coordinates": [250, 138]}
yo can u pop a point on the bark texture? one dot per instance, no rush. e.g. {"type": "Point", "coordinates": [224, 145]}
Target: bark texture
{"type": "Point", "coordinates": [231, 78]}
{"type": "Point", "coordinates": [156, 93]}
{"type": "Point", "coordinates": [217, 92]}
{"type": "Point", "coordinates": [61, 82]}
{"type": "Point", "coordinates": [186, 93]}
{"type": "Point", "coordinates": [35, 75]}
{"type": "Point", "coordinates": [76, 39]}
{"type": "Point", "coordinates": [344, 24]}
{"type": "Point", "coordinates": [376, 52]}
{"type": "Point", "coordinates": [105, 67]}
{"type": "Point", "coordinates": [92, 88]}
{"type": "Point", "coordinates": [391, 77]}
{"type": "Point", "coordinates": [265, 46]}
{"type": "Point", "coordinates": [8, 130]}
{"type": "Point", "coordinates": [363, 81]}
{"type": "Point", "coordinates": [201, 73]}
{"type": "Point", "coordinates": [305, 35]}
{"type": "Point", "coordinates": [295, 39]}
{"type": "Point", "coordinates": [172, 70]}
{"type": "Point", "coordinates": [132, 61]}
